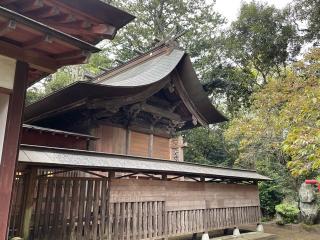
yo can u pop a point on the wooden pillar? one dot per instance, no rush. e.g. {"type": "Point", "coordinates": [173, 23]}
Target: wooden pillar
{"type": "Point", "coordinates": [9, 148]}
{"type": "Point", "coordinates": [29, 187]}
{"type": "Point", "coordinates": [109, 221]}
{"type": "Point", "coordinates": [150, 147]}
{"type": "Point", "coordinates": [176, 149]}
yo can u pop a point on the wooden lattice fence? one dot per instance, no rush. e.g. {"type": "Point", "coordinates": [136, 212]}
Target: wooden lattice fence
{"type": "Point", "coordinates": [82, 208]}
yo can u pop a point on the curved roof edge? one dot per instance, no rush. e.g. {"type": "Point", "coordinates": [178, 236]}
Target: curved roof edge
{"type": "Point", "coordinates": [151, 70]}
{"type": "Point", "coordinates": [196, 98]}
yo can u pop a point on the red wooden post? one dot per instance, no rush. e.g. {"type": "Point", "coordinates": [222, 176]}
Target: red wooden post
{"type": "Point", "coordinates": [11, 144]}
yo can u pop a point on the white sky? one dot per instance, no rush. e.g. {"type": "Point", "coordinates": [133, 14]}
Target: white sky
{"type": "Point", "coordinates": [230, 8]}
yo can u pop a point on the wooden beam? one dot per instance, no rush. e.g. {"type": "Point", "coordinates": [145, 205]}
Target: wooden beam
{"type": "Point", "coordinates": [159, 102]}
{"type": "Point", "coordinates": [11, 144]}
{"type": "Point", "coordinates": [27, 6]}
{"type": "Point", "coordinates": [50, 12]}
{"type": "Point", "coordinates": [93, 173]}
{"type": "Point", "coordinates": [8, 27]}
{"type": "Point", "coordinates": [5, 90]}
{"type": "Point", "coordinates": [127, 175]}
{"type": "Point", "coordinates": [58, 110]}
{"type": "Point", "coordinates": [73, 61]}
{"type": "Point", "coordinates": [169, 179]}
{"type": "Point", "coordinates": [36, 41]}
{"type": "Point", "coordinates": [65, 18]}
{"type": "Point", "coordinates": [7, 2]}
{"type": "Point", "coordinates": [54, 173]}
{"type": "Point", "coordinates": [72, 55]}
{"type": "Point", "coordinates": [79, 28]}
{"type": "Point", "coordinates": [34, 58]}
{"type": "Point", "coordinates": [159, 111]}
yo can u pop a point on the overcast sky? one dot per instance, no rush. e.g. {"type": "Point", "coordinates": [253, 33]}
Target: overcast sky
{"type": "Point", "coordinates": [230, 8]}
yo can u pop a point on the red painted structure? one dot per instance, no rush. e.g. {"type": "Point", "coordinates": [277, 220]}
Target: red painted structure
{"type": "Point", "coordinates": [39, 49]}
{"type": "Point", "coordinates": [32, 135]}
{"type": "Point", "coordinates": [313, 182]}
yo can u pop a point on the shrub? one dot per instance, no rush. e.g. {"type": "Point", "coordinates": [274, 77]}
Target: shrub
{"type": "Point", "coordinates": [288, 212]}
{"type": "Point", "coordinates": [270, 196]}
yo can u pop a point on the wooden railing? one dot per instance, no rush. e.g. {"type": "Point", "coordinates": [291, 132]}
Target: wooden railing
{"type": "Point", "coordinates": [149, 220]}
{"type": "Point", "coordinates": [78, 209]}
{"type": "Point", "coordinates": [137, 220]}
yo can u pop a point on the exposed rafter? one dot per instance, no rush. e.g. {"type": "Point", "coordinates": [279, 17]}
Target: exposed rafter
{"type": "Point", "coordinates": [7, 27]}
{"type": "Point", "coordinates": [65, 18]}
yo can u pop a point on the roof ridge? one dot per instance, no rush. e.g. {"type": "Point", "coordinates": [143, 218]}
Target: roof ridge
{"type": "Point", "coordinates": [96, 79]}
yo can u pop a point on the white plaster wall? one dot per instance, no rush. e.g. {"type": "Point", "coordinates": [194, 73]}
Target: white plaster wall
{"type": "Point", "coordinates": [4, 102]}
{"type": "Point", "coordinates": [7, 71]}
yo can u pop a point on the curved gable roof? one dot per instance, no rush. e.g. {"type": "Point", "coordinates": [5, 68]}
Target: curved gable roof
{"type": "Point", "coordinates": [147, 72]}
{"type": "Point", "coordinates": [153, 70]}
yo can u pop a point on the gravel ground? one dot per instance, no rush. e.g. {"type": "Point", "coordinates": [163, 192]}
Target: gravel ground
{"type": "Point", "coordinates": [287, 232]}
{"type": "Point", "coordinates": [292, 232]}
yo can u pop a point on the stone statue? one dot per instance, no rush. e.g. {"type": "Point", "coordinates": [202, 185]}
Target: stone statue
{"type": "Point", "coordinates": [308, 204]}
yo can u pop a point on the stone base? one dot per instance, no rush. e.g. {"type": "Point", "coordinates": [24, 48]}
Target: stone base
{"type": "Point", "coordinates": [249, 236]}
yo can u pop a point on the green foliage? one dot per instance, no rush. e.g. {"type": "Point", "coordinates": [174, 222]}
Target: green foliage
{"type": "Point", "coordinates": [279, 134]}
{"type": "Point", "coordinates": [232, 84]}
{"type": "Point", "coordinates": [289, 212]}
{"type": "Point", "coordinates": [256, 46]}
{"type": "Point", "coordinates": [33, 95]}
{"type": "Point", "coordinates": [158, 18]}
{"type": "Point", "coordinates": [283, 124]}
{"type": "Point", "coordinates": [57, 81]}
{"type": "Point", "coordinates": [206, 146]}
{"type": "Point", "coordinates": [307, 14]}
{"type": "Point", "coordinates": [270, 195]}
{"type": "Point", "coordinates": [259, 39]}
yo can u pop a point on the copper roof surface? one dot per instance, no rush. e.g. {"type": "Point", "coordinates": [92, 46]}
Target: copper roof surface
{"type": "Point", "coordinates": [77, 159]}
{"type": "Point", "coordinates": [147, 72]}
{"type": "Point", "coordinates": [152, 69]}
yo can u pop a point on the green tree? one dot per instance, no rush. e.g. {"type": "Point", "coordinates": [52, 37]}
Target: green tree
{"type": "Point", "coordinates": [283, 123]}
{"type": "Point", "coordinates": [206, 146]}
{"type": "Point", "coordinates": [158, 19]}
{"type": "Point", "coordinates": [260, 39]}
{"type": "Point", "coordinates": [306, 15]}
{"type": "Point", "coordinates": [34, 94]}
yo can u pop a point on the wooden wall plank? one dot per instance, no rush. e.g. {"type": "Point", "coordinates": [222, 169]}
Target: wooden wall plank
{"type": "Point", "coordinates": [84, 203]}
{"type": "Point", "coordinates": [95, 206]}
{"type": "Point", "coordinates": [139, 144]}
{"type": "Point", "coordinates": [185, 195]}
{"type": "Point", "coordinates": [140, 225]}
{"type": "Point", "coordinates": [128, 221]}
{"type": "Point", "coordinates": [134, 220]}
{"type": "Point", "coordinates": [88, 208]}
{"type": "Point", "coordinates": [66, 209]}
{"type": "Point", "coordinates": [103, 214]}
{"type": "Point", "coordinates": [82, 199]}
{"type": "Point", "coordinates": [161, 147]}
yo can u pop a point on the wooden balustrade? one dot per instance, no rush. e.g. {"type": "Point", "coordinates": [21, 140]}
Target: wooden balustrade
{"type": "Point", "coordinates": [80, 208]}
